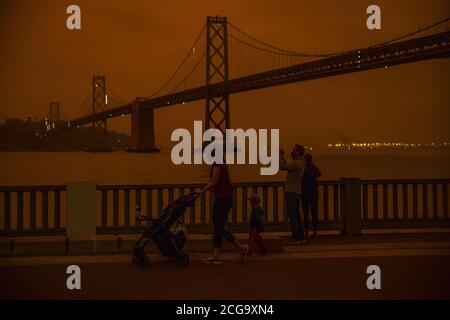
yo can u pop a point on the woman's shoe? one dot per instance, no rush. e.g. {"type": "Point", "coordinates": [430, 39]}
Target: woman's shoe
{"type": "Point", "coordinates": [294, 241]}
{"type": "Point", "coordinates": [243, 253]}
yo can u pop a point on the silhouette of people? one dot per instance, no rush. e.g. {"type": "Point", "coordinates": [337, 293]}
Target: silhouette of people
{"type": "Point", "coordinates": [293, 190]}
{"type": "Point", "coordinates": [310, 195]}
{"type": "Point", "coordinates": [223, 201]}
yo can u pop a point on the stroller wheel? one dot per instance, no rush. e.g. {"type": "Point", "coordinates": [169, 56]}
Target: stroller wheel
{"type": "Point", "coordinates": [140, 258]}
{"type": "Point", "coordinates": [182, 259]}
{"type": "Point", "coordinates": [144, 261]}
{"type": "Point", "coordinates": [137, 253]}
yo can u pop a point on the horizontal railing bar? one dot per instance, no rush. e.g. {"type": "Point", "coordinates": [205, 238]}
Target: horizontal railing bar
{"type": "Point", "coordinates": [202, 184]}
{"type": "Point", "coordinates": [405, 223]}
{"type": "Point", "coordinates": [32, 188]}
{"type": "Point", "coordinates": [34, 232]}
{"type": "Point", "coordinates": [147, 186]}
{"type": "Point", "coordinates": [406, 181]}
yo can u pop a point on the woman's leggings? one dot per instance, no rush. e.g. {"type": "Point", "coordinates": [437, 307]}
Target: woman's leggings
{"type": "Point", "coordinates": [221, 208]}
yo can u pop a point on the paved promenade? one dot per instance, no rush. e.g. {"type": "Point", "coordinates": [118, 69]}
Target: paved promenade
{"type": "Point", "coordinates": [332, 267]}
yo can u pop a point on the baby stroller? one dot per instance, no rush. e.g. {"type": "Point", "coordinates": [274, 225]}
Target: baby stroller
{"type": "Point", "coordinates": [170, 243]}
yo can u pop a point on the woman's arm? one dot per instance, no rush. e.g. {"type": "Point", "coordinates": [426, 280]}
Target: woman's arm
{"type": "Point", "coordinates": [214, 179]}
{"type": "Point", "coordinates": [282, 162]}
{"type": "Point", "coordinates": [317, 173]}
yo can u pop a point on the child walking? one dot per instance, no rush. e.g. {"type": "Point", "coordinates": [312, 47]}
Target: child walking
{"type": "Point", "coordinates": [256, 226]}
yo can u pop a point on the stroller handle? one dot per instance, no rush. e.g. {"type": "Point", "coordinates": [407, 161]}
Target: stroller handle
{"type": "Point", "coordinates": [195, 194]}
{"type": "Point", "coordinates": [144, 218]}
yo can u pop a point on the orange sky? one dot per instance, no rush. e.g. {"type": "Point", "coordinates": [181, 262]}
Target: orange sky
{"type": "Point", "coordinates": [137, 44]}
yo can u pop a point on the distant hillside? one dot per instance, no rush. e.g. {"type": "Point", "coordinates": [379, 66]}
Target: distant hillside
{"type": "Point", "coordinates": [25, 135]}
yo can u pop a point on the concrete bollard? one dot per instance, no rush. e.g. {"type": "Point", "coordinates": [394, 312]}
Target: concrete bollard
{"type": "Point", "coordinates": [351, 205]}
{"type": "Point", "coordinates": [81, 210]}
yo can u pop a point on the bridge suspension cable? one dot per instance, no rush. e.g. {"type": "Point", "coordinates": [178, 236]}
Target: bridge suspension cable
{"type": "Point", "coordinates": [183, 82]}
{"type": "Point", "coordinates": [270, 48]}
{"type": "Point", "coordinates": [420, 30]}
{"type": "Point", "coordinates": [250, 55]}
{"type": "Point", "coordinates": [247, 55]}
{"type": "Point", "coordinates": [114, 95]}
{"type": "Point", "coordinates": [83, 110]}
{"type": "Point", "coordinates": [183, 71]}
{"type": "Point", "coordinates": [262, 63]}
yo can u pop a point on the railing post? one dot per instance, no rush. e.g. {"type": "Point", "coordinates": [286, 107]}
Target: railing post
{"type": "Point", "coordinates": [80, 209]}
{"type": "Point", "coordinates": [351, 205]}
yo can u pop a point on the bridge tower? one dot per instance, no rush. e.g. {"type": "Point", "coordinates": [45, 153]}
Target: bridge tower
{"type": "Point", "coordinates": [217, 113]}
{"type": "Point", "coordinates": [53, 112]}
{"type": "Point", "coordinates": [99, 100]}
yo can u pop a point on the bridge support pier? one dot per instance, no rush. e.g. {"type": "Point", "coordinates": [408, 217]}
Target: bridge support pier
{"type": "Point", "coordinates": [142, 128]}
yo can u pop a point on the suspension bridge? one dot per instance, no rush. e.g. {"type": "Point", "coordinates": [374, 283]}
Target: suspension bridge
{"type": "Point", "coordinates": [232, 61]}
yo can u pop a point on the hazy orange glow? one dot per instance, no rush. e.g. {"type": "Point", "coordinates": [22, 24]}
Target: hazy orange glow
{"type": "Point", "coordinates": [137, 45]}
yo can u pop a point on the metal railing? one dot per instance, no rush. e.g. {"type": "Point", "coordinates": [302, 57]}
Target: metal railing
{"type": "Point", "coordinates": [32, 210]}
{"type": "Point", "coordinates": [39, 210]}
{"type": "Point", "coordinates": [117, 205]}
{"type": "Point", "coordinates": [403, 203]}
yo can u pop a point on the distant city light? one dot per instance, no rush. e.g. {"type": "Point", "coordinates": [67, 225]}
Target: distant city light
{"type": "Point", "coordinates": [385, 145]}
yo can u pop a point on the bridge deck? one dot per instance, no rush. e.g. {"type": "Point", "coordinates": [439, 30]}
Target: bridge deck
{"type": "Point", "coordinates": [423, 48]}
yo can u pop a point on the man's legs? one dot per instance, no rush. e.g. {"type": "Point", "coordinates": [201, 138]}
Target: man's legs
{"type": "Point", "coordinates": [314, 213]}
{"type": "Point", "coordinates": [305, 207]}
{"type": "Point", "coordinates": [301, 230]}
{"type": "Point", "coordinates": [290, 208]}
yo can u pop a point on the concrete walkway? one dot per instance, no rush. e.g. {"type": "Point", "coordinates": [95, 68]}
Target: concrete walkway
{"type": "Point", "coordinates": [331, 267]}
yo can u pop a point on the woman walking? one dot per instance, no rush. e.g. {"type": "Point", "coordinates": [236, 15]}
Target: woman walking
{"type": "Point", "coordinates": [223, 202]}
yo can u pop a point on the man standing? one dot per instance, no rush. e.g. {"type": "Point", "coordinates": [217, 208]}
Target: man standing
{"type": "Point", "coordinates": [293, 190]}
{"type": "Point", "coordinates": [310, 194]}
